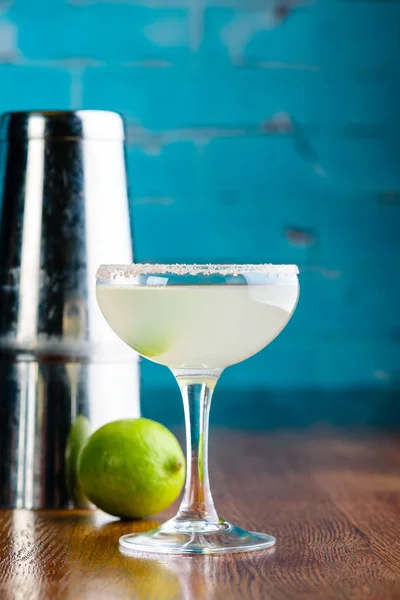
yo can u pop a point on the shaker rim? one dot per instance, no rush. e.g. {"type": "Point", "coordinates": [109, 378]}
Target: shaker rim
{"type": "Point", "coordinates": [101, 125]}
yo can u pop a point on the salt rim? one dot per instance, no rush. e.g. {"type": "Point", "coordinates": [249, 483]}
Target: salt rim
{"type": "Point", "coordinates": [106, 272]}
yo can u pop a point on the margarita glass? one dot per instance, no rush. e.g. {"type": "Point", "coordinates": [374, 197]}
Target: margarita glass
{"type": "Point", "coordinates": [197, 320]}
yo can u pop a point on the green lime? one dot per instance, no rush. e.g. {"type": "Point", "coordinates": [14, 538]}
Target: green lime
{"type": "Point", "coordinates": [151, 348]}
{"type": "Point", "coordinates": [77, 438]}
{"type": "Point", "coordinates": [152, 342]}
{"type": "Point", "coordinates": [132, 468]}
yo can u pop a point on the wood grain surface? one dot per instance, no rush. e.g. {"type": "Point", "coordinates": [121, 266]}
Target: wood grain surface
{"type": "Point", "coordinates": [332, 499]}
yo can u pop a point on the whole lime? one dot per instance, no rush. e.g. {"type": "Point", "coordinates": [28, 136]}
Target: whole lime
{"type": "Point", "coordinates": [132, 468]}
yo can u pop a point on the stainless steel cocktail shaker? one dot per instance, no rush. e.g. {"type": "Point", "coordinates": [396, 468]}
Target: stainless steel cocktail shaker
{"type": "Point", "coordinates": [63, 371]}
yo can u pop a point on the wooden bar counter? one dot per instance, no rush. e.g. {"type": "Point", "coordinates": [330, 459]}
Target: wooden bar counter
{"type": "Point", "coordinates": [331, 498]}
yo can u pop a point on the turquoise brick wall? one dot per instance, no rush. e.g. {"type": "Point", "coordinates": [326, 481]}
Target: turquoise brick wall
{"type": "Point", "coordinates": [259, 130]}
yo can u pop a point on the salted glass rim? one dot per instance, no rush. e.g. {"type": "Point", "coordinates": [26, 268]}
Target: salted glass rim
{"type": "Point", "coordinates": [112, 271]}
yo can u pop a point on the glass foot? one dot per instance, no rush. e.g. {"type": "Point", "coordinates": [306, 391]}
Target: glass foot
{"type": "Point", "coordinates": [195, 537]}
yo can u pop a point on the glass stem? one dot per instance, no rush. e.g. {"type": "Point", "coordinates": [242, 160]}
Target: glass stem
{"type": "Point", "coordinates": [197, 503]}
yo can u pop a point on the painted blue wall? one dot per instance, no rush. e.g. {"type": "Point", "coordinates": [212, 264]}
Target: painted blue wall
{"type": "Point", "coordinates": [259, 130]}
